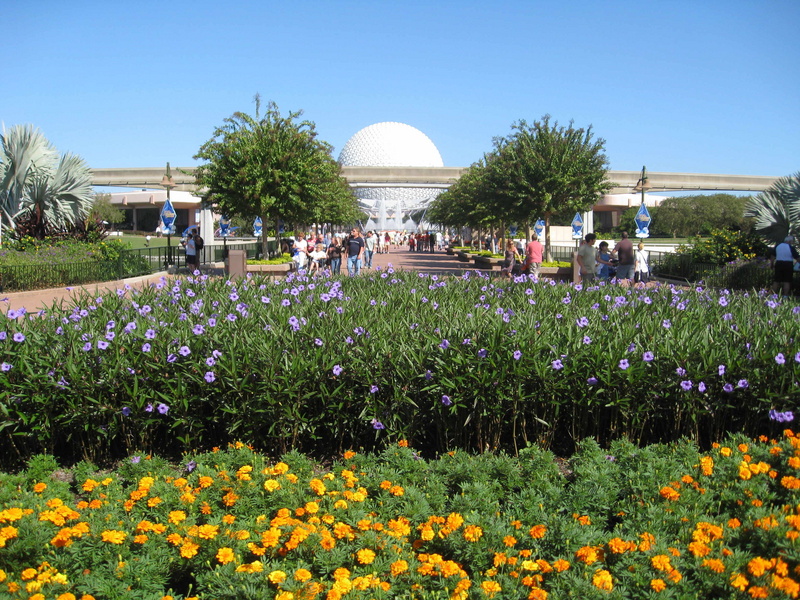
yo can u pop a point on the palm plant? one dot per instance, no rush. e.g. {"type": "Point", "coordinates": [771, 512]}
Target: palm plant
{"type": "Point", "coordinates": [55, 192]}
{"type": "Point", "coordinates": [776, 212]}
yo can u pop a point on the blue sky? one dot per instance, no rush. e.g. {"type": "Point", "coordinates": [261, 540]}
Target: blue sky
{"type": "Point", "coordinates": [698, 86]}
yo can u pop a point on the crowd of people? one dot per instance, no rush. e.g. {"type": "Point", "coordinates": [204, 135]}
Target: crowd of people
{"type": "Point", "coordinates": [623, 262]}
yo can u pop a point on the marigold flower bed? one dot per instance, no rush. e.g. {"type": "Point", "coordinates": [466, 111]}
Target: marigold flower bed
{"type": "Point", "coordinates": [626, 522]}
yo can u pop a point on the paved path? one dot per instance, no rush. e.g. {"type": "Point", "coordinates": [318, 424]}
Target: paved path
{"type": "Point", "coordinates": [438, 262]}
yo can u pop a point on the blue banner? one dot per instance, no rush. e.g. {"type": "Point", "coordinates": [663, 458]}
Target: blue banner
{"type": "Point", "coordinates": [539, 228]}
{"type": "Point", "coordinates": [642, 221]}
{"type": "Point", "coordinates": [224, 226]}
{"type": "Point", "coordinates": [168, 217]}
{"type": "Point", "coordinates": [577, 227]}
{"type": "Point", "coordinates": [257, 226]}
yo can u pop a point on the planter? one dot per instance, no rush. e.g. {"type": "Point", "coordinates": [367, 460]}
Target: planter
{"type": "Point", "coordinates": [486, 262]}
{"type": "Point", "coordinates": [450, 251]}
{"type": "Point", "coordinates": [557, 273]}
{"type": "Point", "coordinates": [463, 256]}
{"type": "Point", "coordinates": [279, 269]}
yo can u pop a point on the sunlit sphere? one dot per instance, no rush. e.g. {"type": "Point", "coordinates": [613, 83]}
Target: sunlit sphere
{"type": "Point", "coordinates": [391, 144]}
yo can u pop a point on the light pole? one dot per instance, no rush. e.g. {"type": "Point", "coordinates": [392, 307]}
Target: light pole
{"type": "Point", "coordinates": [168, 214]}
{"type": "Point", "coordinates": [643, 216]}
{"type": "Point", "coordinates": [643, 184]}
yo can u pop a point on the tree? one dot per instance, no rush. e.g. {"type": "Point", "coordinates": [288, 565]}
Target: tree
{"type": "Point", "coordinates": [272, 167]}
{"type": "Point", "coordinates": [684, 216]}
{"type": "Point", "coordinates": [51, 193]}
{"type": "Point", "coordinates": [543, 170]}
{"type": "Point", "coordinates": [104, 211]}
{"type": "Point", "coordinates": [776, 212]}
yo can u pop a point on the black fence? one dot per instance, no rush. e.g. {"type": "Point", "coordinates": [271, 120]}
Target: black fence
{"type": "Point", "coordinates": [131, 263]}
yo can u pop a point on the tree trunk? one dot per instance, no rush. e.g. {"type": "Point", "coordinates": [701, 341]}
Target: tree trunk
{"type": "Point", "coordinates": [547, 249]}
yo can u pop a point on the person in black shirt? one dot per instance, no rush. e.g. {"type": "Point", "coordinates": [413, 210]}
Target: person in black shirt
{"type": "Point", "coordinates": [355, 250]}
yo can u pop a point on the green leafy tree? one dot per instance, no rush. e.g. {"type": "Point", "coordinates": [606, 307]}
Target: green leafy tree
{"type": "Point", "coordinates": [684, 216]}
{"type": "Point", "coordinates": [104, 211]}
{"type": "Point", "coordinates": [274, 167]}
{"type": "Point", "coordinates": [776, 212]}
{"type": "Point", "coordinates": [545, 170]}
{"type": "Point", "coordinates": [49, 192]}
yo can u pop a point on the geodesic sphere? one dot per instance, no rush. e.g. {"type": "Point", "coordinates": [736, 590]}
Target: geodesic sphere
{"type": "Point", "coordinates": [390, 144]}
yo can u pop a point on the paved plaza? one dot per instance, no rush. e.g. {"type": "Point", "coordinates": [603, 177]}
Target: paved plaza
{"type": "Point", "coordinates": [438, 262]}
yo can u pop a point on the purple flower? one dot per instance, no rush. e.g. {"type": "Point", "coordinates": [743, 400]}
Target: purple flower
{"type": "Point", "coordinates": [162, 408]}
{"type": "Point", "coordinates": [19, 337]}
{"type": "Point", "coordinates": [701, 387]}
{"type": "Point", "coordinates": [150, 334]}
{"type": "Point", "coordinates": [483, 353]}
{"type": "Point", "coordinates": [5, 367]}
{"type": "Point", "coordinates": [209, 376]}
{"type": "Point", "coordinates": [592, 381]}
{"type": "Point", "coordinates": [444, 345]}
{"type": "Point", "coordinates": [191, 466]}
{"type": "Point", "coordinates": [582, 322]}
{"type": "Point", "coordinates": [623, 364]}
{"type": "Point", "coordinates": [145, 347]}
{"type": "Point", "coordinates": [373, 389]}
{"type": "Point", "coordinates": [797, 357]}
{"type": "Point", "coordinates": [721, 370]}
{"type": "Point", "coordinates": [781, 417]}
{"type": "Point", "coordinates": [728, 387]}
{"type": "Point", "coordinates": [780, 358]}
{"type": "Point", "coordinates": [126, 411]}
{"type": "Point", "coordinates": [686, 385]}
{"type": "Point", "coordinates": [337, 370]}
{"type": "Point", "coordinates": [723, 301]}
{"type": "Point", "coordinates": [87, 346]}
{"type": "Point", "coordinates": [517, 355]}
{"type": "Point", "coordinates": [648, 356]}
{"type": "Point", "coordinates": [466, 342]}
{"type": "Point", "coordinates": [184, 351]}
{"type": "Point", "coordinates": [587, 340]}
{"type": "Point", "coordinates": [211, 361]}
{"type": "Point", "coordinates": [110, 336]}
{"type": "Point", "coordinates": [744, 384]}
{"type": "Point", "coordinates": [135, 459]}
{"type": "Point", "coordinates": [318, 342]}
{"type": "Point", "coordinates": [377, 424]}
{"type": "Point", "coordinates": [557, 364]}
{"type": "Point", "coordinates": [666, 323]}
{"type": "Point", "coordinates": [171, 358]}
{"type": "Point", "coordinates": [446, 400]}
{"type": "Point", "coordinates": [680, 371]}
{"type": "Point", "coordinates": [428, 375]}
{"type": "Point", "coordinates": [149, 407]}
{"type": "Point", "coordinates": [198, 329]}
{"type": "Point", "coordinates": [632, 347]}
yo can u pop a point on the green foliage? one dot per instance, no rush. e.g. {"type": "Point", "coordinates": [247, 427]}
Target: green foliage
{"type": "Point", "coordinates": [103, 210]}
{"type": "Point", "coordinates": [685, 216]}
{"type": "Point", "coordinates": [776, 212]}
{"type": "Point", "coordinates": [282, 259]}
{"type": "Point", "coordinates": [724, 246]}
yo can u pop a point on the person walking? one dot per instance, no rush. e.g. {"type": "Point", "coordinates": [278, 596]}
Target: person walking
{"type": "Point", "coordinates": [604, 264]}
{"type": "Point", "coordinates": [533, 256]}
{"type": "Point", "coordinates": [586, 259]}
{"type": "Point", "coordinates": [641, 266]}
{"type": "Point", "coordinates": [355, 252]}
{"type": "Point", "coordinates": [369, 249]}
{"type": "Point", "coordinates": [782, 259]}
{"type": "Point", "coordinates": [623, 251]}
{"type": "Point", "coordinates": [510, 259]}
{"type": "Point", "coordinates": [191, 252]}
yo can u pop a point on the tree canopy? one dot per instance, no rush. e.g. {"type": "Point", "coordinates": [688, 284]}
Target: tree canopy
{"type": "Point", "coordinates": [541, 170]}
{"type": "Point", "coordinates": [274, 167]}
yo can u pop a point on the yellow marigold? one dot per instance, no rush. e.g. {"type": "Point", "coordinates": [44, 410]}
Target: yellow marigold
{"type": "Point", "coordinates": [176, 516]}
{"type": "Point", "coordinates": [349, 454]}
{"type": "Point", "coordinates": [602, 580]}
{"type": "Point", "coordinates": [403, 443]}
{"type": "Point", "coordinates": [341, 573]}
{"type": "Point", "coordinates": [284, 596]}
{"type": "Point", "coordinates": [365, 556]}
{"type": "Point", "coordinates": [758, 566]}
{"type": "Point", "coordinates": [39, 487]}
{"type": "Point", "coordinates": [27, 574]}
{"type": "Point", "coordinates": [510, 541]}
{"type": "Point", "coordinates": [794, 462]}
{"type": "Point", "coordinates": [707, 465]}
{"type": "Point", "coordinates": [225, 555]}
{"type": "Point", "coordinates": [790, 483]}
{"type": "Point", "coordinates": [189, 549]}
{"type": "Point", "coordinates": [724, 451]}
{"type": "Point", "coordinates": [271, 485]}
{"type": "Point", "coordinates": [397, 490]}
{"type": "Point", "coordinates": [67, 596]}
{"type": "Point", "coordinates": [490, 588]}
{"type": "Point", "coordinates": [618, 545]}
{"type": "Point", "coordinates": [739, 581]}
{"type": "Point", "coordinates": [472, 533]}
{"type": "Point", "coordinates": [113, 537]}
{"type": "Point", "coordinates": [658, 585]}
{"type": "Point", "coordinates": [661, 562]}
{"type": "Point", "coordinates": [317, 486]}
{"type": "Point", "coordinates": [276, 577]}
{"type": "Point", "coordinates": [398, 566]}
{"type": "Point", "coordinates": [758, 591]}
{"type": "Point", "coordinates": [675, 576]}
{"type": "Point", "coordinates": [587, 554]}
{"type": "Point", "coordinates": [254, 567]}
{"type": "Point", "coordinates": [207, 532]}
{"type": "Point", "coordinates": [302, 575]}
{"type": "Point", "coordinates": [584, 519]}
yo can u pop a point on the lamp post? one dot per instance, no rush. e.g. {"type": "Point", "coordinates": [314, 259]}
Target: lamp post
{"type": "Point", "coordinates": [643, 216]}
{"type": "Point", "coordinates": [643, 184]}
{"type": "Point", "coordinates": [168, 214]}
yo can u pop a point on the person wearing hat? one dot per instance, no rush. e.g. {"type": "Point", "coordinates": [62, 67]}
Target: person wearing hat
{"type": "Point", "coordinates": [782, 259]}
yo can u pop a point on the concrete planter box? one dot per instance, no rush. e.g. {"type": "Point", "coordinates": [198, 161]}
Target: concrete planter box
{"type": "Point", "coordinates": [463, 256]}
{"type": "Point", "coordinates": [557, 273]}
{"type": "Point", "coordinates": [280, 269]}
{"type": "Point", "coordinates": [486, 262]}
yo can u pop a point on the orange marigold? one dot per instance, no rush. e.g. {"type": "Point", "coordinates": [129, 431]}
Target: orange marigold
{"type": "Point", "coordinates": [538, 531]}
{"type": "Point", "coordinates": [602, 580]}
{"type": "Point", "coordinates": [658, 585]}
{"type": "Point", "coordinates": [225, 555]}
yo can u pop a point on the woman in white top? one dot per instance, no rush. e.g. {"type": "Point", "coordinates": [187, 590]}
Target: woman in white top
{"type": "Point", "coordinates": [640, 264]}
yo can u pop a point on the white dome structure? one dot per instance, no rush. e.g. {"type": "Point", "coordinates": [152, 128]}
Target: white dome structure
{"type": "Point", "coordinates": [391, 144]}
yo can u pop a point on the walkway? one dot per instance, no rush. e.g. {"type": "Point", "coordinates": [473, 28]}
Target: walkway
{"type": "Point", "coordinates": [439, 263]}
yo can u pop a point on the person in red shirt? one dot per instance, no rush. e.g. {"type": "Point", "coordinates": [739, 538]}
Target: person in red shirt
{"type": "Point", "coordinates": [533, 256]}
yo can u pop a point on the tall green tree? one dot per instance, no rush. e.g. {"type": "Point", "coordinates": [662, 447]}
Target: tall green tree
{"type": "Point", "coordinates": [544, 170]}
{"type": "Point", "coordinates": [274, 167]}
{"type": "Point", "coordinates": [683, 216]}
{"type": "Point", "coordinates": [776, 212]}
{"type": "Point", "coordinates": [51, 192]}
